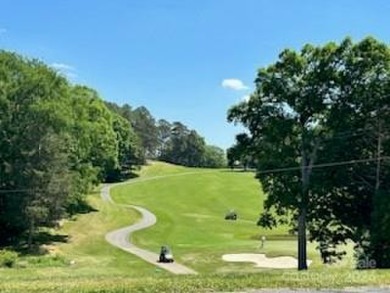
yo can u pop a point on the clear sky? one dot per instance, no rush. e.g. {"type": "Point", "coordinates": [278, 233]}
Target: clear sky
{"type": "Point", "coordinates": [185, 60]}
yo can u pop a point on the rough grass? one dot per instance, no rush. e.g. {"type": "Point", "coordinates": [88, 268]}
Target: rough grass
{"type": "Point", "coordinates": [206, 283]}
{"type": "Point", "coordinates": [86, 253]}
{"type": "Point", "coordinates": [87, 245]}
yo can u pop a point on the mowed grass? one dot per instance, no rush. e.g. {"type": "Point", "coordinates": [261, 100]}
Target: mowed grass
{"type": "Point", "coordinates": [190, 206]}
{"type": "Point", "coordinates": [155, 168]}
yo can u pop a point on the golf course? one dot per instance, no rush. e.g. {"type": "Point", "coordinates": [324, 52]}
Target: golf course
{"type": "Point", "coordinates": [189, 205]}
{"type": "Point", "coordinates": [190, 208]}
{"type": "Point", "coordinates": [195, 146]}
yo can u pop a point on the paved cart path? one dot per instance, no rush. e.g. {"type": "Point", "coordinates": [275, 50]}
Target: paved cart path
{"type": "Point", "coordinates": [121, 238]}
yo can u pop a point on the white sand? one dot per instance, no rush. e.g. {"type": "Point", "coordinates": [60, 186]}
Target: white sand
{"type": "Point", "coordinates": [261, 261]}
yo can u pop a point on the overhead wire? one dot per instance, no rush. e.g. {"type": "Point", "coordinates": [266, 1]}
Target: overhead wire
{"type": "Point", "coordinates": [282, 169]}
{"type": "Point", "coordinates": [332, 164]}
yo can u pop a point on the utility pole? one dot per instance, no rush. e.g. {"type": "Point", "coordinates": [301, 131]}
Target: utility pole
{"type": "Point", "coordinates": [308, 160]}
{"type": "Point", "coordinates": [378, 154]}
{"type": "Point", "coordinates": [302, 254]}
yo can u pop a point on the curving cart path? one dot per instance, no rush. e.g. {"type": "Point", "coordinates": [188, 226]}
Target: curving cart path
{"type": "Point", "coordinates": [121, 237]}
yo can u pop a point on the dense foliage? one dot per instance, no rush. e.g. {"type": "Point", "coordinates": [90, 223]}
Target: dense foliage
{"type": "Point", "coordinates": [318, 123]}
{"type": "Point", "coordinates": [170, 142]}
{"type": "Point", "coordinates": [240, 154]}
{"type": "Point", "coordinates": [58, 140]}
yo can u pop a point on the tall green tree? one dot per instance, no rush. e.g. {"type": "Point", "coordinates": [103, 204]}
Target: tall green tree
{"type": "Point", "coordinates": [33, 156]}
{"type": "Point", "coordinates": [129, 143]}
{"type": "Point", "coordinates": [184, 147]}
{"type": "Point", "coordinates": [302, 105]}
{"type": "Point", "coordinates": [94, 137]}
{"type": "Point", "coordinates": [361, 110]}
{"type": "Point", "coordinates": [56, 142]}
{"type": "Point", "coordinates": [164, 130]}
{"type": "Point", "coordinates": [214, 157]}
{"type": "Point", "coordinates": [195, 151]}
{"type": "Point", "coordinates": [241, 152]}
{"type": "Point", "coordinates": [175, 148]}
{"type": "Point", "coordinates": [129, 151]}
{"type": "Point", "coordinates": [145, 127]}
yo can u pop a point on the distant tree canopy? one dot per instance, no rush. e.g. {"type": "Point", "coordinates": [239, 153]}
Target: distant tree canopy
{"type": "Point", "coordinates": [214, 157]}
{"type": "Point", "coordinates": [58, 140]}
{"type": "Point", "coordinates": [186, 147]}
{"type": "Point", "coordinates": [318, 125]}
{"type": "Point", "coordinates": [170, 142]}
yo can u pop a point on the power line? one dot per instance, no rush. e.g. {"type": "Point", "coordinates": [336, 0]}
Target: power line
{"type": "Point", "coordinates": [342, 163]}
{"type": "Point", "coordinates": [356, 132]}
{"type": "Point", "coordinates": [31, 190]}
{"type": "Point", "coordinates": [277, 170]}
{"type": "Point", "coordinates": [341, 136]}
{"type": "Point", "coordinates": [18, 190]}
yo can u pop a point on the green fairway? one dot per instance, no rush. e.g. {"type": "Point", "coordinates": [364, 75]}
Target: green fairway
{"type": "Point", "coordinates": [161, 169]}
{"type": "Point", "coordinates": [190, 206]}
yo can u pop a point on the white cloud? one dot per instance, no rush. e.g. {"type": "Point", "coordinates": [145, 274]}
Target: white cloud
{"type": "Point", "coordinates": [234, 84]}
{"type": "Point", "coordinates": [67, 70]}
{"type": "Point", "coordinates": [62, 66]}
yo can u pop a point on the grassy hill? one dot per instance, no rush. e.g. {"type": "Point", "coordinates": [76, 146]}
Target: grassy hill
{"type": "Point", "coordinates": [190, 205]}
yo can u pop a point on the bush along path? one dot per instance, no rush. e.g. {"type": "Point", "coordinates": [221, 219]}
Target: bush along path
{"type": "Point", "coordinates": [121, 238]}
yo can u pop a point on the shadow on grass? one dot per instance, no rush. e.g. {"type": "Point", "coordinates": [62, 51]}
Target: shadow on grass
{"type": "Point", "coordinates": [41, 241]}
{"type": "Point", "coordinates": [239, 170]}
{"type": "Point", "coordinates": [80, 206]}
{"type": "Point", "coordinates": [117, 177]}
{"type": "Point", "coordinates": [276, 237]}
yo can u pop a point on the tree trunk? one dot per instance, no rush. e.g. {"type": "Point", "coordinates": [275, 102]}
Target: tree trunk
{"type": "Point", "coordinates": [307, 164]}
{"type": "Point", "coordinates": [30, 235]}
{"type": "Point", "coordinates": [302, 255]}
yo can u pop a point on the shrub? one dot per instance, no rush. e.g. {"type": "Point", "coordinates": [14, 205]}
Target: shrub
{"type": "Point", "coordinates": [8, 258]}
{"type": "Point", "coordinates": [47, 261]}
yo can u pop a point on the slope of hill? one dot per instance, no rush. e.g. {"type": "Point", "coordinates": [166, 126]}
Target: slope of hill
{"type": "Point", "coordinates": [190, 205]}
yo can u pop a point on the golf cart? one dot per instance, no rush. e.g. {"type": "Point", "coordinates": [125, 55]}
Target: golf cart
{"type": "Point", "coordinates": [165, 254]}
{"type": "Point", "coordinates": [231, 215]}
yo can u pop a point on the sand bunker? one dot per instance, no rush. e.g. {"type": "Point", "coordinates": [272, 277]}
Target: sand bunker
{"type": "Point", "coordinates": [261, 261]}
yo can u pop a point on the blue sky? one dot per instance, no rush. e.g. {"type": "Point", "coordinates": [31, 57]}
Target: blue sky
{"type": "Point", "coordinates": [185, 60]}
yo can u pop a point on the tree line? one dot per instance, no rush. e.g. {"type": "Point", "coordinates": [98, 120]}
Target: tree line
{"type": "Point", "coordinates": [170, 142]}
{"type": "Point", "coordinates": [318, 127]}
{"type": "Point", "coordinates": [59, 140]}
